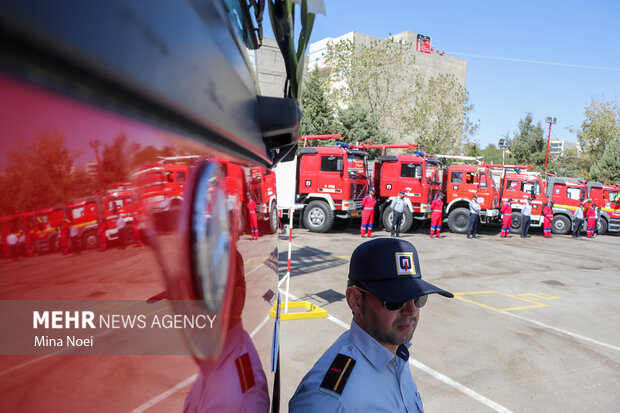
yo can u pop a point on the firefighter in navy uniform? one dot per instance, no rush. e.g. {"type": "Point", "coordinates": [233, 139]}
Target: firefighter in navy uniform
{"type": "Point", "coordinates": [366, 369]}
{"type": "Point", "coordinates": [368, 213]}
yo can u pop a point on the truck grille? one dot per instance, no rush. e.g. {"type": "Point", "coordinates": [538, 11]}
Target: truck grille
{"type": "Point", "coordinates": [358, 191]}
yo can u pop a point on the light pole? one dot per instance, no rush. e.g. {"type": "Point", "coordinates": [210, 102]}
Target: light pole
{"type": "Point", "coordinates": [95, 144]}
{"type": "Point", "coordinates": [502, 144]}
{"type": "Point", "coordinates": [550, 120]}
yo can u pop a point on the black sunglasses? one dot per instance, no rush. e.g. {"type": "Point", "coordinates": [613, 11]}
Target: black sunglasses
{"type": "Point", "coordinates": [419, 302]}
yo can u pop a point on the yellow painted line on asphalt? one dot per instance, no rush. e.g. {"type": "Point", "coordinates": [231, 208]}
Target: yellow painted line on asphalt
{"type": "Point", "coordinates": [539, 296]}
{"type": "Point", "coordinates": [533, 304]}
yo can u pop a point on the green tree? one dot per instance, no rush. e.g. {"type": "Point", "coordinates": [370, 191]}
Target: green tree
{"type": "Point", "coordinates": [39, 174]}
{"type": "Point", "coordinates": [318, 113]}
{"type": "Point", "coordinates": [600, 127]}
{"type": "Point", "coordinates": [379, 75]}
{"type": "Point", "coordinates": [493, 154]}
{"type": "Point", "coordinates": [440, 120]}
{"type": "Point", "coordinates": [528, 145]}
{"type": "Point", "coordinates": [607, 170]}
{"type": "Point", "coordinates": [567, 164]}
{"type": "Point", "coordinates": [359, 124]}
{"type": "Point", "coordinates": [382, 76]}
{"type": "Point", "coordinates": [115, 162]}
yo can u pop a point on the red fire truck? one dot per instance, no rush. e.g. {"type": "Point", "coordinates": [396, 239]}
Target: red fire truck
{"type": "Point", "coordinates": [263, 191]}
{"type": "Point", "coordinates": [86, 213]}
{"type": "Point", "coordinates": [163, 184]}
{"type": "Point", "coordinates": [331, 182]}
{"type": "Point", "coordinates": [461, 182]}
{"type": "Point", "coordinates": [47, 222]}
{"type": "Point", "coordinates": [416, 174]}
{"type": "Point", "coordinates": [567, 194]}
{"type": "Point", "coordinates": [519, 185]}
{"type": "Point", "coordinates": [608, 198]}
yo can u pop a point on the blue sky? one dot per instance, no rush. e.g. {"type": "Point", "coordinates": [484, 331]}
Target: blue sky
{"type": "Point", "coordinates": [545, 57]}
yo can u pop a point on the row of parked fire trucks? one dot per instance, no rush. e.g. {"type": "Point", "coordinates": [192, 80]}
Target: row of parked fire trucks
{"type": "Point", "coordinates": [161, 185]}
{"type": "Point", "coordinates": [330, 182]}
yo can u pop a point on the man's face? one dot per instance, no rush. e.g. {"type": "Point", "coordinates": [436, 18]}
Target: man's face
{"type": "Point", "coordinates": [390, 328]}
{"type": "Point", "coordinates": [401, 195]}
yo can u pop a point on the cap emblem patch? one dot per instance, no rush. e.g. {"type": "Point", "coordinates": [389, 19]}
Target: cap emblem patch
{"type": "Point", "coordinates": [404, 263]}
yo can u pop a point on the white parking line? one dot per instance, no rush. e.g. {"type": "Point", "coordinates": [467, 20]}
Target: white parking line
{"type": "Point", "coordinates": [559, 330]}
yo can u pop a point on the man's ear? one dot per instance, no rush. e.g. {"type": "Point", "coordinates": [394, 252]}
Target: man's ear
{"type": "Point", "coordinates": [354, 300]}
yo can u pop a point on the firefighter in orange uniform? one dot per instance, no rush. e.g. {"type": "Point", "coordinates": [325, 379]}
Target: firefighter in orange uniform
{"type": "Point", "coordinates": [437, 215]}
{"type": "Point", "coordinates": [591, 219]}
{"type": "Point", "coordinates": [101, 233]}
{"type": "Point", "coordinates": [507, 218]}
{"type": "Point", "coordinates": [368, 213]}
{"type": "Point", "coordinates": [253, 219]}
{"type": "Point", "coordinates": [64, 236]}
{"type": "Point", "coordinates": [548, 214]}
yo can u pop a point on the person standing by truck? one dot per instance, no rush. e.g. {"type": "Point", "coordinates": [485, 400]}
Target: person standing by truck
{"type": "Point", "coordinates": [526, 214]}
{"type": "Point", "coordinates": [398, 206]}
{"type": "Point", "coordinates": [368, 213]}
{"type": "Point", "coordinates": [437, 215]}
{"type": "Point", "coordinates": [506, 218]}
{"type": "Point", "coordinates": [253, 218]}
{"type": "Point", "coordinates": [474, 217]}
{"type": "Point", "coordinates": [591, 218]}
{"type": "Point", "coordinates": [548, 214]}
{"type": "Point", "coordinates": [578, 221]}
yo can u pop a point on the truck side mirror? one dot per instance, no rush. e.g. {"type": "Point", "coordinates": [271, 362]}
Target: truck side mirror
{"type": "Point", "coordinates": [339, 165]}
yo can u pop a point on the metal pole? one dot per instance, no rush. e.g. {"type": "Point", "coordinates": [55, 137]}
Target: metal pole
{"type": "Point", "coordinates": [548, 141]}
{"type": "Point", "coordinates": [290, 245]}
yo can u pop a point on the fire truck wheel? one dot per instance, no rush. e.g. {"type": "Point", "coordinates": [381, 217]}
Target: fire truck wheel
{"type": "Point", "coordinates": [273, 218]}
{"type": "Point", "coordinates": [561, 225]}
{"type": "Point", "coordinates": [458, 220]}
{"type": "Point", "coordinates": [89, 240]}
{"type": "Point", "coordinates": [602, 226]}
{"type": "Point", "coordinates": [318, 217]}
{"type": "Point", "coordinates": [405, 222]}
{"type": "Point", "coordinates": [516, 223]}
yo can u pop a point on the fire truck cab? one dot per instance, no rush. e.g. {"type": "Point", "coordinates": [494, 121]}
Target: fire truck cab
{"type": "Point", "coordinates": [461, 182]}
{"type": "Point", "coordinates": [521, 186]}
{"type": "Point", "coordinates": [263, 191]}
{"type": "Point", "coordinates": [411, 174]}
{"type": "Point", "coordinates": [567, 194]}
{"type": "Point", "coordinates": [608, 198]}
{"type": "Point", "coordinates": [48, 221]}
{"type": "Point", "coordinates": [331, 183]}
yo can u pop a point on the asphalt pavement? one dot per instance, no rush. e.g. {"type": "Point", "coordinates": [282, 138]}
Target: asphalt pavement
{"type": "Point", "coordinates": [533, 326]}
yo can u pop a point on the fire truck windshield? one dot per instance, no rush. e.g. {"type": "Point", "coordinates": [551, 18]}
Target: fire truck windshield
{"type": "Point", "coordinates": [357, 166]}
{"type": "Point", "coordinates": [528, 186]}
{"type": "Point", "coordinates": [614, 196]}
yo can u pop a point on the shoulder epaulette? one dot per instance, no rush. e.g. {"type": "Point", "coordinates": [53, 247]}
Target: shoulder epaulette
{"type": "Point", "coordinates": [245, 372]}
{"type": "Point", "coordinates": [338, 373]}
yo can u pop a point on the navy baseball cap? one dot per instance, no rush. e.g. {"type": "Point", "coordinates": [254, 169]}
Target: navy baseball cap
{"type": "Point", "coordinates": [390, 269]}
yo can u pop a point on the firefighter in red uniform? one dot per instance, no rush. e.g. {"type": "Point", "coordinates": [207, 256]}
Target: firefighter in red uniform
{"type": "Point", "coordinates": [136, 231]}
{"type": "Point", "coordinates": [437, 215]}
{"type": "Point", "coordinates": [548, 214]}
{"type": "Point", "coordinates": [101, 233]}
{"type": "Point", "coordinates": [368, 213]}
{"type": "Point", "coordinates": [64, 236]}
{"type": "Point", "coordinates": [591, 217]}
{"type": "Point", "coordinates": [507, 218]}
{"type": "Point", "coordinates": [253, 219]}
